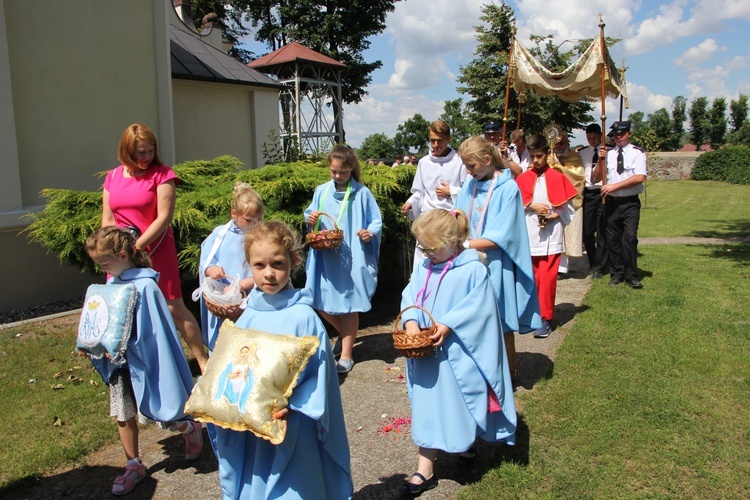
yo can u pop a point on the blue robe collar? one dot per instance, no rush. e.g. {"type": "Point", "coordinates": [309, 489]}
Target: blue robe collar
{"type": "Point", "coordinates": [135, 273]}
{"type": "Point", "coordinates": [285, 298]}
{"type": "Point", "coordinates": [463, 258]}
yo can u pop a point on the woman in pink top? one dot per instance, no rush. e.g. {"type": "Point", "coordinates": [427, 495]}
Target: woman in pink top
{"type": "Point", "coordinates": [141, 193]}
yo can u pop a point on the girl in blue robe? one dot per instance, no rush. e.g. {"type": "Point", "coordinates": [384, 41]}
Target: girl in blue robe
{"type": "Point", "coordinates": [462, 391]}
{"type": "Point", "coordinates": [493, 204]}
{"type": "Point", "coordinates": [343, 280]}
{"type": "Point", "coordinates": [156, 380]}
{"type": "Point", "coordinates": [313, 459]}
{"type": "Point", "coordinates": [223, 252]}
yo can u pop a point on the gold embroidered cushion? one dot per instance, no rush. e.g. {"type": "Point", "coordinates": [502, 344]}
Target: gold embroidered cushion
{"type": "Point", "coordinates": [249, 377]}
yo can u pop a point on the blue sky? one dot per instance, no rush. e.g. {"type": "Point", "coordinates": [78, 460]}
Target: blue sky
{"type": "Point", "coordinates": [690, 48]}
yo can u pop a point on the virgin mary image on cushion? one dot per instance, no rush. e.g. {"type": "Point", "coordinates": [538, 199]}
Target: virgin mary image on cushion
{"type": "Point", "coordinates": [236, 381]}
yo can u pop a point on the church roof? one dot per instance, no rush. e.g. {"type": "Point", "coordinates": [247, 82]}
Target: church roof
{"type": "Point", "coordinates": [193, 59]}
{"type": "Point", "coordinates": [293, 52]}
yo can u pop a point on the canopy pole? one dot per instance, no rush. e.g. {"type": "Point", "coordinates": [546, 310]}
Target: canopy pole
{"type": "Point", "coordinates": [603, 93]}
{"type": "Point", "coordinates": [511, 68]}
{"type": "Point", "coordinates": [518, 121]}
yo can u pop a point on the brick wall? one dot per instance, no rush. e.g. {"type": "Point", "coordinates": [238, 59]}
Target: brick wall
{"type": "Point", "coordinates": [671, 166]}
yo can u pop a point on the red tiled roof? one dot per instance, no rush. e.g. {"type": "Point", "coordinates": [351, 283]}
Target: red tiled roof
{"type": "Point", "coordinates": [293, 52]}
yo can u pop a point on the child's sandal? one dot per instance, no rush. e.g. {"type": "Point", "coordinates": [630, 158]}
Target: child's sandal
{"type": "Point", "coordinates": [132, 476]}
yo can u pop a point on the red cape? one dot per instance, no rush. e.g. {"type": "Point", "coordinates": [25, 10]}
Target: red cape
{"type": "Point", "coordinates": [559, 188]}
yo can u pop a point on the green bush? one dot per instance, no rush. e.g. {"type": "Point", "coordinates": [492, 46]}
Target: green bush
{"type": "Point", "coordinates": [729, 164]}
{"type": "Point", "coordinates": [204, 198]}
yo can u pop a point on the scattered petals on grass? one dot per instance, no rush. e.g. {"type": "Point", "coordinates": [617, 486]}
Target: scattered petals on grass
{"type": "Point", "coordinates": [57, 387]}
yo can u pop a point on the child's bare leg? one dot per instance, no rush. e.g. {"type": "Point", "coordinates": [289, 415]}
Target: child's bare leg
{"type": "Point", "coordinates": [333, 319]}
{"type": "Point", "coordinates": [425, 464]}
{"type": "Point", "coordinates": [129, 437]}
{"type": "Point", "coordinates": [348, 332]}
{"type": "Point", "coordinates": [189, 330]}
{"type": "Point", "coordinates": [510, 349]}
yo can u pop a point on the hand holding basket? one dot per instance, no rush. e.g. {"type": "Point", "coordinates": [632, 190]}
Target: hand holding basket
{"type": "Point", "coordinates": [416, 345]}
{"type": "Point", "coordinates": [325, 239]}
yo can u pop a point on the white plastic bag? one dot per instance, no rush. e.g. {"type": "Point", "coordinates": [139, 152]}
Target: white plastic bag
{"type": "Point", "coordinates": [219, 292]}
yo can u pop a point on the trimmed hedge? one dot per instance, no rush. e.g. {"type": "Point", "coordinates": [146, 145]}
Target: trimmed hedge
{"type": "Point", "coordinates": [730, 164]}
{"type": "Point", "coordinates": [204, 198]}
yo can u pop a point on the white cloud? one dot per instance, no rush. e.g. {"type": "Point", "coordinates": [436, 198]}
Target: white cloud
{"type": "Point", "coordinates": [383, 114]}
{"type": "Point", "coordinates": [698, 54]}
{"type": "Point", "coordinates": [642, 99]}
{"type": "Point", "coordinates": [424, 34]}
{"type": "Point", "coordinates": [578, 19]}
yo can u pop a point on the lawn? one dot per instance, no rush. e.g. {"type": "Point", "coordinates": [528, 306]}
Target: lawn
{"type": "Point", "coordinates": [695, 208]}
{"type": "Point", "coordinates": [650, 393]}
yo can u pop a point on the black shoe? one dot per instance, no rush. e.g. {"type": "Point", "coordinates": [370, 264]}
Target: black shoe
{"type": "Point", "coordinates": [596, 274]}
{"type": "Point", "coordinates": [616, 280]}
{"type": "Point", "coordinates": [634, 283]}
{"type": "Point", "coordinates": [417, 489]}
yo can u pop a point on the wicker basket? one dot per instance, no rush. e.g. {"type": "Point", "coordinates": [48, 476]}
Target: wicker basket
{"type": "Point", "coordinates": [414, 346]}
{"type": "Point", "coordinates": [221, 311]}
{"type": "Point", "coordinates": [325, 239]}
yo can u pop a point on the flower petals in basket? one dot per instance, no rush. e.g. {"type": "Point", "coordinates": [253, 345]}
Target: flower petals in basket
{"type": "Point", "coordinates": [325, 239]}
{"type": "Point", "coordinates": [417, 345]}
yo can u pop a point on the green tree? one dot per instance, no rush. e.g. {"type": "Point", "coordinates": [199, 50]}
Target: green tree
{"type": "Point", "coordinates": [738, 112]}
{"type": "Point", "coordinates": [337, 28]}
{"type": "Point", "coordinates": [376, 146]}
{"type": "Point", "coordinates": [661, 125]}
{"type": "Point", "coordinates": [679, 115]}
{"type": "Point", "coordinates": [717, 116]}
{"type": "Point", "coordinates": [457, 116]}
{"type": "Point", "coordinates": [742, 136]}
{"type": "Point", "coordinates": [413, 135]}
{"type": "Point", "coordinates": [229, 19]}
{"type": "Point", "coordinates": [638, 127]}
{"type": "Point", "coordinates": [484, 78]}
{"type": "Point", "coordinates": [699, 125]}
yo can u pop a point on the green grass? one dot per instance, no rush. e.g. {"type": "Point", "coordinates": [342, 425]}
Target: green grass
{"type": "Point", "coordinates": [650, 394]}
{"type": "Point", "coordinates": [41, 427]}
{"type": "Point", "coordinates": [695, 208]}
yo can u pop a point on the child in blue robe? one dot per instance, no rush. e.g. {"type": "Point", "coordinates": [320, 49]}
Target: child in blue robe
{"type": "Point", "coordinates": [343, 280]}
{"type": "Point", "coordinates": [462, 391]}
{"type": "Point", "coordinates": [156, 381]}
{"type": "Point", "coordinates": [223, 252]}
{"type": "Point", "coordinates": [313, 460]}
{"type": "Point", "coordinates": [492, 201]}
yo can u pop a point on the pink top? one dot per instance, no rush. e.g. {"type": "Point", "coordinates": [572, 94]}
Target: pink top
{"type": "Point", "coordinates": [133, 202]}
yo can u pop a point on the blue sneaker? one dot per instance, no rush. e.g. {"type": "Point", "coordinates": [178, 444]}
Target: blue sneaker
{"type": "Point", "coordinates": [544, 331]}
{"type": "Point", "coordinates": [344, 365]}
